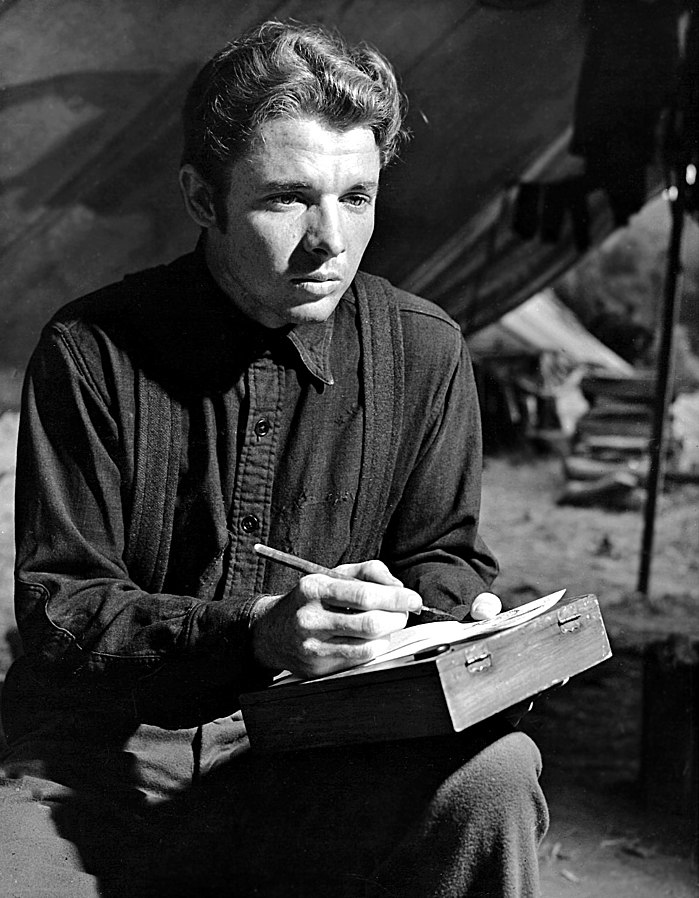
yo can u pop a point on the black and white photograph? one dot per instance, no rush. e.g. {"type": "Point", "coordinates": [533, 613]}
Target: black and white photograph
{"type": "Point", "coordinates": [349, 449]}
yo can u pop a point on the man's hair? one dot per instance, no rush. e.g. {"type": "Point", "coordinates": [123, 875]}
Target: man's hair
{"type": "Point", "coordinates": [286, 70]}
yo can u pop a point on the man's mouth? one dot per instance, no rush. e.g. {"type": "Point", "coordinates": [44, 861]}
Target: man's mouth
{"type": "Point", "coordinates": [316, 278]}
{"type": "Point", "coordinates": [316, 284]}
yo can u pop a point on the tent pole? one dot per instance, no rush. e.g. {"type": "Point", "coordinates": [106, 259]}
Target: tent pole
{"type": "Point", "coordinates": [664, 383]}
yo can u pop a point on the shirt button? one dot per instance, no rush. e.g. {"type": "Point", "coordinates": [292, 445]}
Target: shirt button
{"type": "Point", "coordinates": [249, 523]}
{"type": "Point", "coordinates": [263, 427]}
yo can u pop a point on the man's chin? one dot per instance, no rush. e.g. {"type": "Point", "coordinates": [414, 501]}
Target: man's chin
{"type": "Point", "coordinates": [314, 311]}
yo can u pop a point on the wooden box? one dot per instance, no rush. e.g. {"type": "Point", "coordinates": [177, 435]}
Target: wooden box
{"type": "Point", "coordinates": [427, 696]}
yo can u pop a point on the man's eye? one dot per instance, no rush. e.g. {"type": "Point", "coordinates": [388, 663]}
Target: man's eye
{"type": "Point", "coordinates": [283, 199]}
{"type": "Point", "coordinates": [357, 199]}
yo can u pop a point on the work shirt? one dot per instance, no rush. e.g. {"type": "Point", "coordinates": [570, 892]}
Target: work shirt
{"type": "Point", "coordinates": [249, 433]}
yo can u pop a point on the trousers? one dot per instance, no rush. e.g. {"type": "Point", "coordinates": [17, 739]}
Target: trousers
{"type": "Point", "coordinates": [453, 816]}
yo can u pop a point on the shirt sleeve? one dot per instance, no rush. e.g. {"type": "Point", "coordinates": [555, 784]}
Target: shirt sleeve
{"type": "Point", "coordinates": [432, 542]}
{"type": "Point", "coordinates": [80, 614]}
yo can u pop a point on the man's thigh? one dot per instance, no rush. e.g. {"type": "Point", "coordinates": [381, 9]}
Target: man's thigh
{"type": "Point", "coordinates": [56, 842]}
{"type": "Point", "coordinates": [325, 821]}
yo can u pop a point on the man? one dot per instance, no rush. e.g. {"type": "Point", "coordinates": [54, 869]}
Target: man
{"type": "Point", "coordinates": [260, 389]}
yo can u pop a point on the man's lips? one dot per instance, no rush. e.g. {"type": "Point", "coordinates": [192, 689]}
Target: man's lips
{"type": "Point", "coordinates": [316, 278]}
{"type": "Point", "coordinates": [317, 287]}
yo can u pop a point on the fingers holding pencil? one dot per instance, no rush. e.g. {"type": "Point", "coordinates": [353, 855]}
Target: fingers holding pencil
{"type": "Point", "coordinates": [373, 571]}
{"type": "Point", "coordinates": [309, 631]}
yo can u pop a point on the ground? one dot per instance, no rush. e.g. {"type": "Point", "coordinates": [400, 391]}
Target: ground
{"type": "Point", "coordinates": [610, 834]}
{"type": "Point", "coordinates": [607, 837]}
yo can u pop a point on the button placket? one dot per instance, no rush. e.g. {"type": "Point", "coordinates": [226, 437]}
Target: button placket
{"type": "Point", "coordinates": [252, 493]}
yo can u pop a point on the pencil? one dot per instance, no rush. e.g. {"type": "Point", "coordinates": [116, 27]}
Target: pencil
{"type": "Point", "coordinates": [310, 567]}
{"type": "Point", "coordinates": [298, 564]}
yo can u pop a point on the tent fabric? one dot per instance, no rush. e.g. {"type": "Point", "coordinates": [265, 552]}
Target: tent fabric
{"type": "Point", "coordinates": [543, 324]}
{"type": "Point", "coordinates": [486, 268]}
{"type": "Point", "coordinates": [626, 79]}
{"type": "Point", "coordinates": [89, 111]}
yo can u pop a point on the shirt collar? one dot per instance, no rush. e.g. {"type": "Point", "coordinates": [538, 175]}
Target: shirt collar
{"type": "Point", "coordinates": [312, 341]}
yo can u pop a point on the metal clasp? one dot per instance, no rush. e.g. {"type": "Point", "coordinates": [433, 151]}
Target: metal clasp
{"type": "Point", "coordinates": [476, 663]}
{"type": "Point", "coordinates": [570, 623]}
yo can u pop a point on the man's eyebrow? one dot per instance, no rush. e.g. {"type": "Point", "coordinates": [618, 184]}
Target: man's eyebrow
{"type": "Point", "coordinates": [284, 186]}
{"type": "Point", "coordinates": [290, 186]}
{"type": "Point", "coordinates": [365, 185]}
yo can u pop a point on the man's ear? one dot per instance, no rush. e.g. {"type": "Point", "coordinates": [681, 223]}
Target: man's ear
{"type": "Point", "coordinates": [198, 197]}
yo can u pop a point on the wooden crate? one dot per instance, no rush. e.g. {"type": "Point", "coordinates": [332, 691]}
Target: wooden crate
{"type": "Point", "coordinates": [426, 696]}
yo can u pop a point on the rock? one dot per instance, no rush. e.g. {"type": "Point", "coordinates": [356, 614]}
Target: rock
{"type": "Point", "coordinates": [615, 491]}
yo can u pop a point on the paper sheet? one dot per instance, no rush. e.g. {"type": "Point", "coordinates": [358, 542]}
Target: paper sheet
{"type": "Point", "coordinates": [425, 636]}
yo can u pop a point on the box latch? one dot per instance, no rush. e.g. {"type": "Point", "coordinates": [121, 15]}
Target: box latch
{"type": "Point", "coordinates": [478, 661]}
{"type": "Point", "coordinates": [568, 622]}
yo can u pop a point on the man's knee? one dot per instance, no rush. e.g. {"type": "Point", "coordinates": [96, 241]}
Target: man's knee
{"type": "Point", "coordinates": [480, 833]}
{"type": "Point", "coordinates": [500, 782]}
{"type": "Point", "coordinates": [507, 766]}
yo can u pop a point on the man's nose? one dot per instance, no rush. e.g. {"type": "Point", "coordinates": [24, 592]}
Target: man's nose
{"type": "Point", "coordinates": [324, 236]}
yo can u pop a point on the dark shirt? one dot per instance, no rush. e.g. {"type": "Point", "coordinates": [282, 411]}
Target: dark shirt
{"type": "Point", "coordinates": [251, 431]}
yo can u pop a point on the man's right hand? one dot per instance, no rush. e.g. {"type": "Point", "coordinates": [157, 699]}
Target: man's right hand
{"type": "Point", "coordinates": [325, 624]}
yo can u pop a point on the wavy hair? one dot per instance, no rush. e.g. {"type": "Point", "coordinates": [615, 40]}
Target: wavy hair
{"type": "Point", "coordinates": [287, 70]}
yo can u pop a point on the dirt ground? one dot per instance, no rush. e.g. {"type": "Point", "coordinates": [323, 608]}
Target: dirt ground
{"type": "Point", "coordinates": [607, 837]}
{"type": "Point", "coordinates": [610, 835]}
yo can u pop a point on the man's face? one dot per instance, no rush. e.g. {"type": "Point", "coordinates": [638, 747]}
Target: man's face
{"type": "Point", "coordinates": [300, 209]}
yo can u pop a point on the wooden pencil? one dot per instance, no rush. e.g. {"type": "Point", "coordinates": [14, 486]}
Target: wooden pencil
{"type": "Point", "coordinates": [310, 567]}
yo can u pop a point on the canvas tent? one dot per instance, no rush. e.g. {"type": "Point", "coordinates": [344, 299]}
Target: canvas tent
{"type": "Point", "coordinates": [89, 114]}
{"type": "Point", "coordinates": [529, 366]}
{"type": "Point", "coordinates": [540, 325]}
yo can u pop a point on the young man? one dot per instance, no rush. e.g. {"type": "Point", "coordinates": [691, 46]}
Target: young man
{"type": "Point", "coordinates": [261, 389]}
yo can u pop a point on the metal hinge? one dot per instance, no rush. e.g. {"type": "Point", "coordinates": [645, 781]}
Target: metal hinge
{"type": "Point", "coordinates": [569, 623]}
{"type": "Point", "coordinates": [476, 663]}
